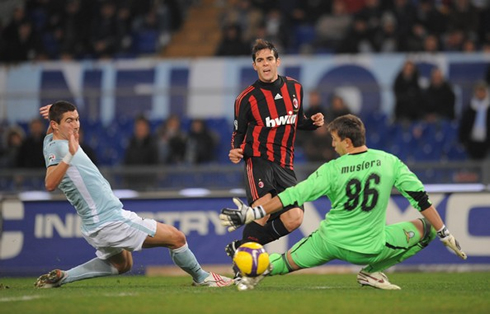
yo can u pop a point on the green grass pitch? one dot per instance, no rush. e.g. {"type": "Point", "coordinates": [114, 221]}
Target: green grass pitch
{"type": "Point", "coordinates": [299, 293]}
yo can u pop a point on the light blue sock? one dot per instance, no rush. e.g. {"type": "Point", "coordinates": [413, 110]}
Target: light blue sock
{"type": "Point", "coordinates": [185, 259]}
{"type": "Point", "coordinates": [91, 269]}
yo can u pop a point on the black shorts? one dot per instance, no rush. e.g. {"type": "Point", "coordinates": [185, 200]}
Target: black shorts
{"type": "Point", "coordinates": [263, 176]}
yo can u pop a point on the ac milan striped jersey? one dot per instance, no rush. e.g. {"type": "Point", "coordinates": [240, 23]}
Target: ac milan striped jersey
{"type": "Point", "coordinates": [266, 118]}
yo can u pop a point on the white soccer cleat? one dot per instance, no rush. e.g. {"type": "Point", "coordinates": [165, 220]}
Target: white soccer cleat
{"type": "Point", "coordinates": [376, 280]}
{"type": "Point", "coordinates": [52, 279]}
{"type": "Point", "coordinates": [249, 283]}
{"type": "Point", "coordinates": [215, 280]}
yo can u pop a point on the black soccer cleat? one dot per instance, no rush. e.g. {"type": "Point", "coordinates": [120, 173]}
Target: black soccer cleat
{"type": "Point", "coordinates": [231, 248]}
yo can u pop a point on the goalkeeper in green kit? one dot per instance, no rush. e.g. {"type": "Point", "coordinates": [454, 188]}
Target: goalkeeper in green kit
{"type": "Point", "coordinates": [358, 184]}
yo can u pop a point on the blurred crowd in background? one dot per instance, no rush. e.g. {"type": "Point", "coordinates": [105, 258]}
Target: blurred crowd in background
{"type": "Point", "coordinates": [88, 29]}
{"type": "Point", "coordinates": [425, 118]}
{"type": "Point", "coordinates": [97, 29]}
{"type": "Point", "coordinates": [358, 26]}
{"type": "Point", "coordinates": [425, 126]}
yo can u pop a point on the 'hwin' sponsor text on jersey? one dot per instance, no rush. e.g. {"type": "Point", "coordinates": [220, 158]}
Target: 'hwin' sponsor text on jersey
{"type": "Point", "coordinates": [283, 120]}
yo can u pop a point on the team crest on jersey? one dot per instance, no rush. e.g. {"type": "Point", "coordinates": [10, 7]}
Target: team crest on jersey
{"type": "Point", "coordinates": [51, 157]}
{"type": "Point", "coordinates": [409, 235]}
{"type": "Point", "coordinates": [295, 102]}
{"type": "Point", "coordinates": [261, 184]}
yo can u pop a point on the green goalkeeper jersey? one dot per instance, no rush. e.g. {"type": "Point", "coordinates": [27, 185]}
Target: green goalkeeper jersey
{"type": "Point", "coordinates": [359, 187]}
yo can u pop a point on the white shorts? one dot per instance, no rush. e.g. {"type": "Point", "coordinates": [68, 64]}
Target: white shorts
{"type": "Point", "coordinates": [117, 236]}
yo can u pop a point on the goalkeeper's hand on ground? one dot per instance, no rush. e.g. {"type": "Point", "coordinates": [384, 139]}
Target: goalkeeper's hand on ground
{"type": "Point", "coordinates": [234, 218]}
{"type": "Point", "coordinates": [450, 242]}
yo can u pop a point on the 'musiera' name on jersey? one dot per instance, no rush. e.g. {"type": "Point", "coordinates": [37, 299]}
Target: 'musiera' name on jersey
{"type": "Point", "coordinates": [362, 166]}
{"type": "Point", "coordinates": [283, 120]}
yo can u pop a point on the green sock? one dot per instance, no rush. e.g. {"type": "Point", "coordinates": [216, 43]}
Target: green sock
{"type": "Point", "coordinates": [280, 265]}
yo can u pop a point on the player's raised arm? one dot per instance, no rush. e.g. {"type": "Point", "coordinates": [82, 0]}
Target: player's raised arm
{"type": "Point", "coordinates": [64, 127]}
{"type": "Point", "coordinates": [55, 174]}
{"type": "Point", "coordinates": [44, 111]}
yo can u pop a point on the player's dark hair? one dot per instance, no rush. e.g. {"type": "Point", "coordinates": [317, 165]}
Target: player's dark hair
{"type": "Point", "coordinates": [57, 110]}
{"type": "Point", "coordinates": [261, 44]}
{"type": "Point", "coordinates": [349, 126]}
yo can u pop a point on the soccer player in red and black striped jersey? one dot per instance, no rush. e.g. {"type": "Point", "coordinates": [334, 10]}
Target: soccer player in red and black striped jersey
{"type": "Point", "coordinates": [267, 115]}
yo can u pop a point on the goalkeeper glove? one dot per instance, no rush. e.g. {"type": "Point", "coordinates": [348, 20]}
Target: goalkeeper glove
{"type": "Point", "coordinates": [450, 242]}
{"type": "Point", "coordinates": [235, 218]}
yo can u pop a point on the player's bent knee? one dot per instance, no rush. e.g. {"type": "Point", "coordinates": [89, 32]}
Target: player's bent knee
{"type": "Point", "coordinates": [292, 224]}
{"type": "Point", "coordinates": [124, 268]}
{"type": "Point", "coordinates": [166, 236]}
{"type": "Point", "coordinates": [176, 239]}
{"type": "Point", "coordinates": [293, 220]}
{"type": "Point", "coordinates": [180, 239]}
{"type": "Point", "coordinates": [123, 263]}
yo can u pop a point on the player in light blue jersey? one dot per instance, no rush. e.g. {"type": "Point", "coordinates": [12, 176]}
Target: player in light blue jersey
{"type": "Point", "coordinates": [111, 230]}
{"type": "Point", "coordinates": [359, 185]}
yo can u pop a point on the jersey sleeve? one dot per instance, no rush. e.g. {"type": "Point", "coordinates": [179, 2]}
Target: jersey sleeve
{"type": "Point", "coordinates": [409, 185]}
{"type": "Point", "coordinates": [304, 122]}
{"type": "Point", "coordinates": [240, 123]}
{"type": "Point", "coordinates": [312, 188]}
{"type": "Point", "coordinates": [54, 151]}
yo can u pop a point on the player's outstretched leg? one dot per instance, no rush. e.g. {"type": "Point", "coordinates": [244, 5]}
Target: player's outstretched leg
{"type": "Point", "coordinates": [53, 279]}
{"type": "Point", "coordinates": [371, 275]}
{"type": "Point", "coordinates": [186, 260]}
{"type": "Point", "coordinates": [94, 268]}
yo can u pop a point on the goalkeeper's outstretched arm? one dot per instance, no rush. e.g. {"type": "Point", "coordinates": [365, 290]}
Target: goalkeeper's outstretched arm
{"type": "Point", "coordinates": [235, 218]}
{"type": "Point", "coordinates": [273, 205]}
{"type": "Point", "coordinates": [447, 239]}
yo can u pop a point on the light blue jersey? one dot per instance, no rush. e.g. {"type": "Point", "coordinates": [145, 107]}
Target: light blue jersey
{"type": "Point", "coordinates": [84, 186]}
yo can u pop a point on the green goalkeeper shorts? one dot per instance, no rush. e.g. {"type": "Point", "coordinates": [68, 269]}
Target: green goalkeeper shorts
{"type": "Point", "coordinates": [314, 251]}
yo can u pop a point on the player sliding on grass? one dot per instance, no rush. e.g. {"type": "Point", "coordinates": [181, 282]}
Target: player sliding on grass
{"type": "Point", "coordinates": [358, 184]}
{"type": "Point", "coordinates": [111, 230]}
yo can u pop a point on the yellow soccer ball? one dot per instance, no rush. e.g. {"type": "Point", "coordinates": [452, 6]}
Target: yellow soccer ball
{"type": "Point", "coordinates": [251, 259]}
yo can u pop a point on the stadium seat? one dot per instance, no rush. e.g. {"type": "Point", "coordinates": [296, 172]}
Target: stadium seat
{"type": "Point", "coordinates": [303, 35]}
{"type": "Point", "coordinates": [425, 152]}
{"type": "Point", "coordinates": [399, 140]}
{"type": "Point", "coordinates": [456, 153]}
{"type": "Point", "coordinates": [222, 128]}
{"type": "Point", "coordinates": [145, 41]}
{"type": "Point", "coordinates": [299, 155]}
{"type": "Point", "coordinates": [125, 55]}
{"type": "Point", "coordinates": [38, 18]}
{"type": "Point", "coordinates": [51, 45]}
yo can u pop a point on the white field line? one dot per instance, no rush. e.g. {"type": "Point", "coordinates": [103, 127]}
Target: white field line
{"type": "Point", "coordinates": [23, 298]}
